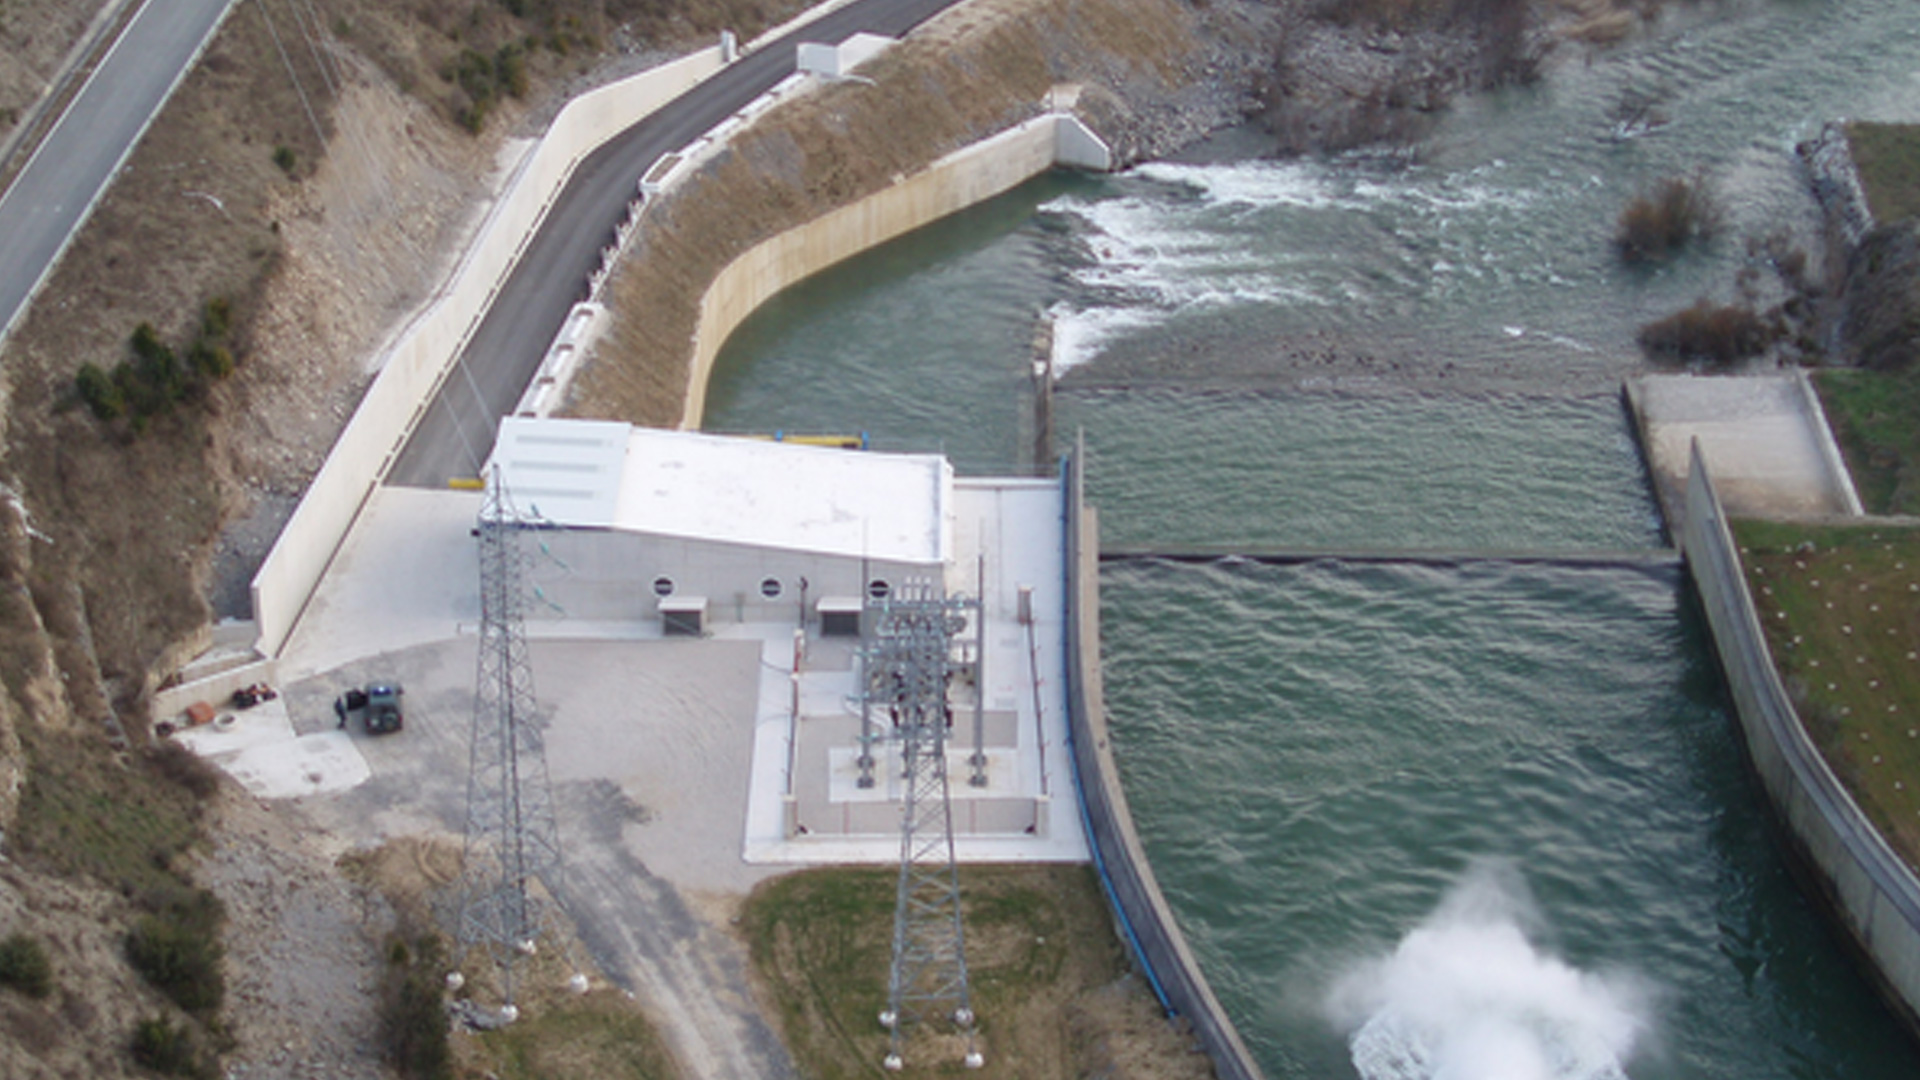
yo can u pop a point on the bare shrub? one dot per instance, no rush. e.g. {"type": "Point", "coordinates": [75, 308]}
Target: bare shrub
{"type": "Point", "coordinates": [1717, 334]}
{"type": "Point", "coordinates": [185, 768]}
{"type": "Point", "coordinates": [1657, 224]}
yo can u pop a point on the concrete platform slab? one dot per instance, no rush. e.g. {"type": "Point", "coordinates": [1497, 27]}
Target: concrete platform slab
{"type": "Point", "coordinates": [678, 752]}
{"type": "Point", "coordinates": [1764, 436]}
{"type": "Point", "coordinates": [407, 575]}
{"type": "Point", "coordinates": [261, 750]}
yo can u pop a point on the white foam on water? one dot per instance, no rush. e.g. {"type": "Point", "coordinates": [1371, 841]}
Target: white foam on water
{"type": "Point", "coordinates": [1155, 257]}
{"type": "Point", "coordinates": [1467, 995]}
{"type": "Point", "coordinates": [1079, 336]}
{"type": "Point", "coordinates": [1156, 254]}
{"type": "Point", "coordinates": [1195, 238]}
{"type": "Point", "coordinates": [1250, 183]}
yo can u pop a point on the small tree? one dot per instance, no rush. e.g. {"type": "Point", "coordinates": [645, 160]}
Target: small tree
{"type": "Point", "coordinates": [158, 369]}
{"type": "Point", "coordinates": [510, 69]}
{"type": "Point", "coordinates": [210, 361]}
{"type": "Point", "coordinates": [99, 392]}
{"type": "Point", "coordinates": [216, 319]}
{"type": "Point", "coordinates": [24, 966]}
{"type": "Point", "coordinates": [167, 1048]}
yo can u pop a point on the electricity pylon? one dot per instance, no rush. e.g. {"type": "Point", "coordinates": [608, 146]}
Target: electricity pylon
{"type": "Point", "coordinates": [908, 664]}
{"type": "Point", "coordinates": [512, 836]}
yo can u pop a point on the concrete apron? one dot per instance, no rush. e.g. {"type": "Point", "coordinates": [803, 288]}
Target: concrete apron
{"type": "Point", "coordinates": [1764, 436]}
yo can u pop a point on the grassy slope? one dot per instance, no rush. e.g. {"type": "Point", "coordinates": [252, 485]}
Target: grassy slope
{"type": "Point", "coordinates": [1838, 604]}
{"type": "Point", "coordinates": [1888, 159]}
{"type": "Point", "coordinates": [1876, 414]}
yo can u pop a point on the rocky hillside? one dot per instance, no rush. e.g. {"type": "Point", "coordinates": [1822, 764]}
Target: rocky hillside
{"type": "Point", "coordinates": [319, 193]}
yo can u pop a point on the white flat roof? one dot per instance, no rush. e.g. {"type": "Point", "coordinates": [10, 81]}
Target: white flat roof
{"type": "Point", "coordinates": [563, 471]}
{"type": "Point", "coordinates": [596, 474]}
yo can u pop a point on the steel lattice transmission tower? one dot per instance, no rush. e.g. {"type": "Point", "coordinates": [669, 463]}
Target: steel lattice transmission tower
{"type": "Point", "coordinates": [908, 664]}
{"type": "Point", "coordinates": [512, 836]}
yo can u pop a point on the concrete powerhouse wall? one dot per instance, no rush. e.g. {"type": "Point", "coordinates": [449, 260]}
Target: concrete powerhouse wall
{"type": "Point", "coordinates": [1146, 923]}
{"type": "Point", "coordinates": [967, 176]}
{"type": "Point", "coordinates": [416, 364]}
{"type": "Point", "coordinates": [1872, 891]}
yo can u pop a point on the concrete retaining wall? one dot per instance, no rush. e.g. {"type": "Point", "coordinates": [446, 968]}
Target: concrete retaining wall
{"type": "Point", "coordinates": [1873, 893]}
{"type": "Point", "coordinates": [959, 180]}
{"type": "Point", "coordinates": [415, 365]}
{"type": "Point", "coordinates": [1147, 925]}
{"type": "Point", "coordinates": [215, 690]}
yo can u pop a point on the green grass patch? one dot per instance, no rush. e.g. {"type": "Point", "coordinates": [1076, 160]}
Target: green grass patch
{"type": "Point", "coordinates": [85, 812]}
{"type": "Point", "coordinates": [413, 1013]}
{"type": "Point", "coordinates": [127, 824]}
{"type": "Point", "coordinates": [823, 940]}
{"type": "Point", "coordinates": [1040, 952]}
{"type": "Point", "coordinates": [600, 1034]}
{"type": "Point", "coordinates": [1887, 157]}
{"type": "Point", "coordinates": [1873, 417]}
{"type": "Point", "coordinates": [1838, 603]}
{"type": "Point", "coordinates": [177, 949]}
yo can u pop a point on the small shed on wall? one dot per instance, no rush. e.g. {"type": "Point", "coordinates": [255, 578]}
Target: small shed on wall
{"type": "Point", "coordinates": [688, 528]}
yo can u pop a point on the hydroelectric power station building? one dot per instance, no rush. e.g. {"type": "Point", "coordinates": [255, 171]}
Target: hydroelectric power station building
{"type": "Point", "coordinates": [683, 534]}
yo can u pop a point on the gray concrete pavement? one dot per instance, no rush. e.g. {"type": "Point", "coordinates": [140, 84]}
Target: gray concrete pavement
{"type": "Point", "coordinates": [669, 757]}
{"type": "Point", "coordinates": [107, 23]}
{"type": "Point", "coordinates": [507, 347]}
{"type": "Point", "coordinates": [64, 179]}
{"type": "Point", "coordinates": [648, 745]}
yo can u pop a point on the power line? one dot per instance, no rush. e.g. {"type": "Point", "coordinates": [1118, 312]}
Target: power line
{"type": "Point", "coordinates": [280, 47]}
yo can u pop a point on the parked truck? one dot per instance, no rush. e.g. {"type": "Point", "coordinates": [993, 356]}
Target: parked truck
{"type": "Point", "coordinates": [378, 705]}
{"type": "Point", "coordinates": [383, 708]}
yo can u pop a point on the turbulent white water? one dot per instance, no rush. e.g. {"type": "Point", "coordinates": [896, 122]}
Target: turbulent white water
{"type": "Point", "coordinates": [1172, 241]}
{"type": "Point", "coordinates": [1467, 995]}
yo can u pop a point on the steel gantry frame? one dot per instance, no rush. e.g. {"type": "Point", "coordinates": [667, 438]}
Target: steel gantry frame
{"type": "Point", "coordinates": [512, 837]}
{"type": "Point", "coordinates": [909, 661]}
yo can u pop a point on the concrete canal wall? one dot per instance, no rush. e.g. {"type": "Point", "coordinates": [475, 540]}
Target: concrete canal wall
{"type": "Point", "coordinates": [970, 175]}
{"type": "Point", "coordinates": [1146, 923]}
{"type": "Point", "coordinates": [1870, 889]}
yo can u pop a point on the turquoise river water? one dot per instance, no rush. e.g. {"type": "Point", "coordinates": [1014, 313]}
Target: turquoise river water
{"type": "Point", "coordinates": [1485, 820]}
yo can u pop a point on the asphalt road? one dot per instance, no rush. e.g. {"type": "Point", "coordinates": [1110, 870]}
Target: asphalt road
{"type": "Point", "coordinates": [51, 198]}
{"type": "Point", "coordinates": [456, 433]}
